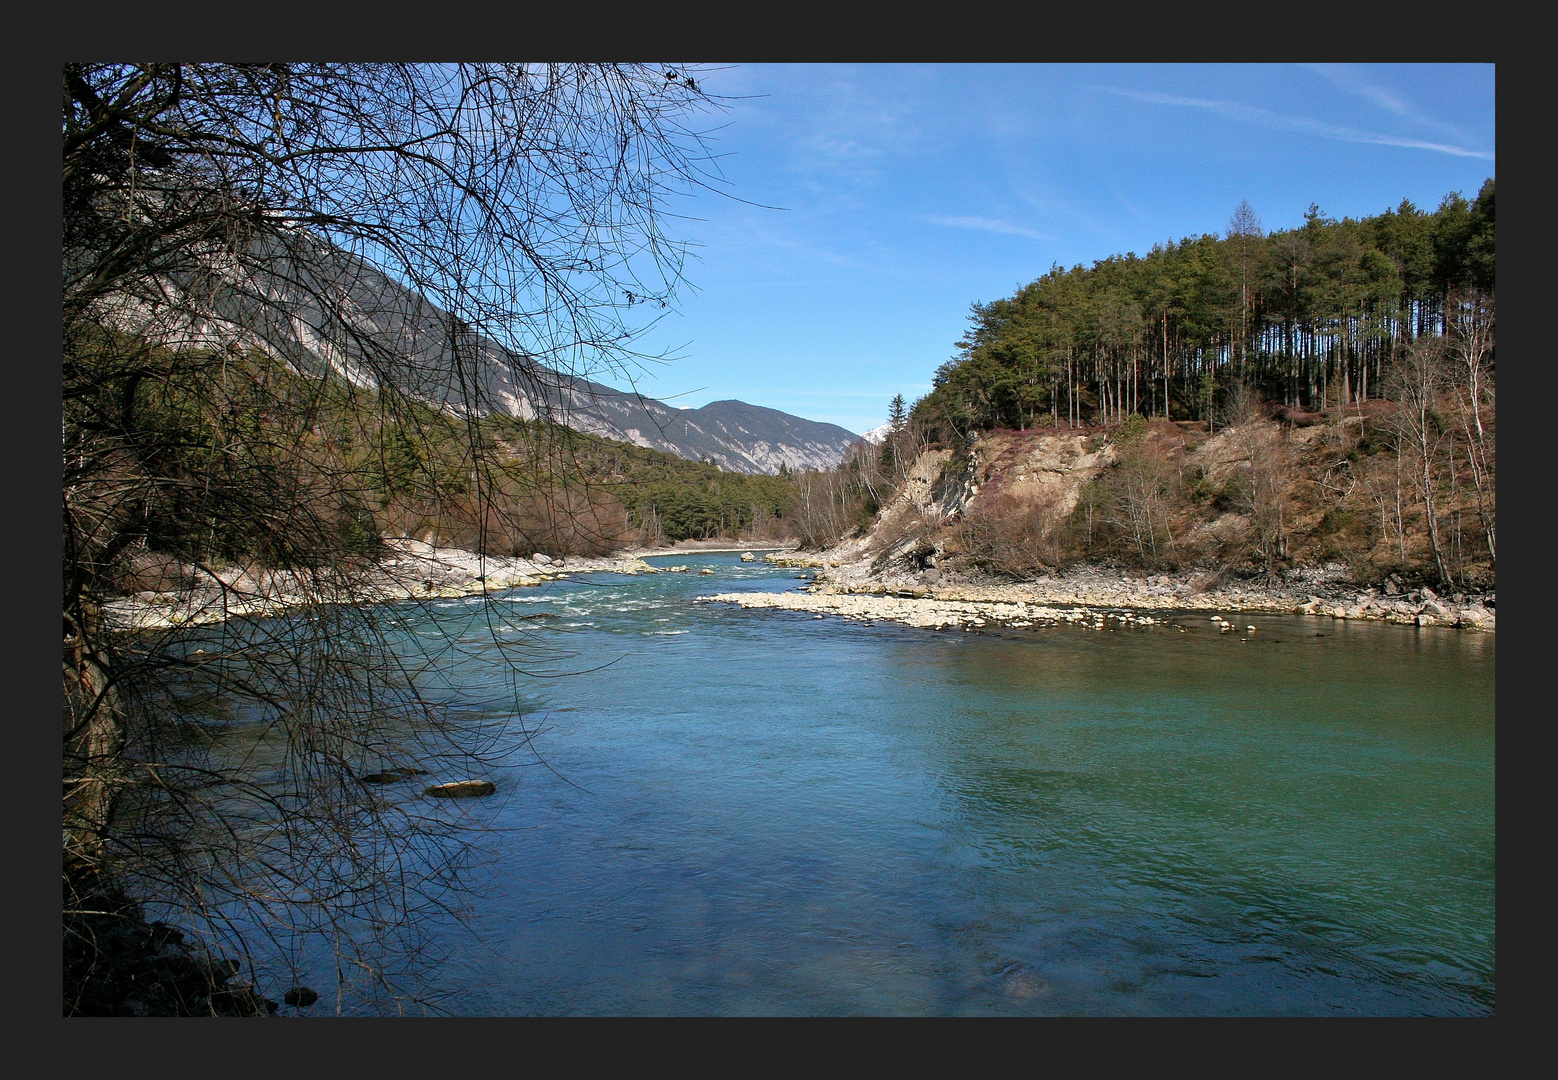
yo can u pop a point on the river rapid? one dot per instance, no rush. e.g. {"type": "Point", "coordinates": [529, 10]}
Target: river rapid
{"type": "Point", "coordinates": [770, 812]}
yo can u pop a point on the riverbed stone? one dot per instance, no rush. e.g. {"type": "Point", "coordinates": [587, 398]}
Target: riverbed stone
{"type": "Point", "coordinates": [462, 789]}
{"type": "Point", "coordinates": [300, 996]}
{"type": "Point", "coordinates": [1477, 617]}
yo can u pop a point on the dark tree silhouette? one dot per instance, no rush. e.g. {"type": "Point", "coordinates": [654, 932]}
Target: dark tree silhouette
{"type": "Point", "coordinates": [285, 287]}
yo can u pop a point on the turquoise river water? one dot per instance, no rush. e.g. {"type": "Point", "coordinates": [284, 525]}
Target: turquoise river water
{"type": "Point", "coordinates": [758, 812]}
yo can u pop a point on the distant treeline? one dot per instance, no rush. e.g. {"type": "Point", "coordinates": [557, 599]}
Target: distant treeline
{"type": "Point", "coordinates": [1310, 316]}
{"type": "Point", "coordinates": [663, 497]}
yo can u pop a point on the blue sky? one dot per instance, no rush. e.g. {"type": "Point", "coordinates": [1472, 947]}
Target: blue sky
{"type": "Point", "coordinates": [907, 192]}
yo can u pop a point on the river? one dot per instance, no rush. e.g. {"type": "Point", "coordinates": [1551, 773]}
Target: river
{"type": "Point", "coordinates": [760, 812]}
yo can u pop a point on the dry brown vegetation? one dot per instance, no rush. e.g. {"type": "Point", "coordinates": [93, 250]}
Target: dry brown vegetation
{"type": "Point", "coordinates": [1402, 486]}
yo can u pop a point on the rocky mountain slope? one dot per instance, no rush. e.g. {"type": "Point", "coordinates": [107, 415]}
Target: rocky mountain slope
{"type": "Point", "coordinates": [733, 434]}
{"type": "Point", "coordinates": [333, 312]}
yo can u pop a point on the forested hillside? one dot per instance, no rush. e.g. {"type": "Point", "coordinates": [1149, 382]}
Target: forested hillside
{"type": "Point", "coordinates": [1310, 317]}
{"type": "Point", "coordinates": [1249, 403]}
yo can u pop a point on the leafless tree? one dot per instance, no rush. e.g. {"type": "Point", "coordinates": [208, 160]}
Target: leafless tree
{"type": "Point", "coordinates": [1142, 485]}
{"type": "Point", "coordinates": [1416, 383]}
{"type": "Point", "coordinates": [1244, 230]}
{"type": "Point", "coordinates": [1470, 340]}
{"type": "Point", "coordinates": [1264, 459]}
{"type": "Point", "coordinates": [1011, 537]}
{"type": "Point", "coordinates": [269, 270]}
{"type": "Point", "coordinates": [823, 506]}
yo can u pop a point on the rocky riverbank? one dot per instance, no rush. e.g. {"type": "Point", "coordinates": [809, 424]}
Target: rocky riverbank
{"type": "Point", "coordinates": [118, 964]}
{"type": "Point", "coordinates": [1099, 596]}
{"type": "Point", "coordinates": [412, 571]}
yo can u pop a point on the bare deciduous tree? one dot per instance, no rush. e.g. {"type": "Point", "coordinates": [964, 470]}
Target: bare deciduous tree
{"type": "Point", "coordinates": [1470, 340]}
{"type": "Point", "coordinates": [284, 286]}
{"type": "Point", "coordinates": [1416, 383]}
{"type": "Point", "coordinates": [1142, 486]}
{"type": "Point", "coordinates": [1264, 460]}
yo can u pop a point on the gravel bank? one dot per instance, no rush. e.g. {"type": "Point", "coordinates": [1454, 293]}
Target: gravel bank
{"type": "Point", "coordinates": [933, 613]}
{"type": "Point", "coordinates": [1099, 596]}
{"type": "Point", "coordinates": [413, 571]}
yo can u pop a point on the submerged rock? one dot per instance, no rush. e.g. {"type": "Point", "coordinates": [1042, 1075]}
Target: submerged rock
{"type": "Point", "coordinates": [392, 777]}
{"type": "Point", "coordinates": [300, 996]}
{"type": "Point", "coordinates": [461, 789]}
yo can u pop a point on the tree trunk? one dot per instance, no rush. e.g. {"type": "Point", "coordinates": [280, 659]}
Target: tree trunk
{"type": "Point", "coordinates": [94, 746]}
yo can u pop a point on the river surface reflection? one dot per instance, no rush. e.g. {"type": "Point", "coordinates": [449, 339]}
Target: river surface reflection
{"type": "Point", "coordinates": [756, 812]}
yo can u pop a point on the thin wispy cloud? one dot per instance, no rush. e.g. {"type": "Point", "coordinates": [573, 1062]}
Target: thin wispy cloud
{"type": "Point", "coordinates": [896, 388]}
{"type": "Point", "coordinates": [845, 126]}
{"type": "Point", "coordinates": [1253, 114]}
{"type": "Point", "coordinates": [1344, 78]}
{"type": "Point", "coordinates": [984, 224]}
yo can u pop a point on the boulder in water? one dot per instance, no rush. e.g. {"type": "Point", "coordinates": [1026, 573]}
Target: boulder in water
{"type": "Point", "coordinates": [462, 789]}
{"type": "Point", "coordinates": [393, 776]}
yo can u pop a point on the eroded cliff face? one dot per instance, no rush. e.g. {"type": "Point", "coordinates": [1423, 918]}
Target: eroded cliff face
{"type": "Point", "coordinates": [1010, 502]}
{"type": "Point", "coordinates": [1045, 469]}
{"type": "Point", "coordinates": [1004, 469]}
{"type": "Point", "coordinates": [1034, 468]}
{"type": "Point", "coordinates": [1040, 476]}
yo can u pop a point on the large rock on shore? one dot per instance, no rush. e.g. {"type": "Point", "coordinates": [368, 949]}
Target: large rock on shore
{"type": "Point", "coordinates": [1477, 617]}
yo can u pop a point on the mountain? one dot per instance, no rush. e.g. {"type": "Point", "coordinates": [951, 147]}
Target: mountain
{"type": "Point", "coordinates": [331, 311]}
{"type": "Point", "coordinates": [733, 434]}
{"type": "Point", "coordinates": [878, 434]}
{"type": "Point", "coordinates": [741, 437]}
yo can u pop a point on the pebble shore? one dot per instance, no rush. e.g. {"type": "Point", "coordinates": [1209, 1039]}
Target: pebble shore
{"type": "Point", "coordinates": [413, 571]}
{"type": "Point", "coordinates": [933, 613]}
{"type": "Point", "coordinates": [1098, 597]}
